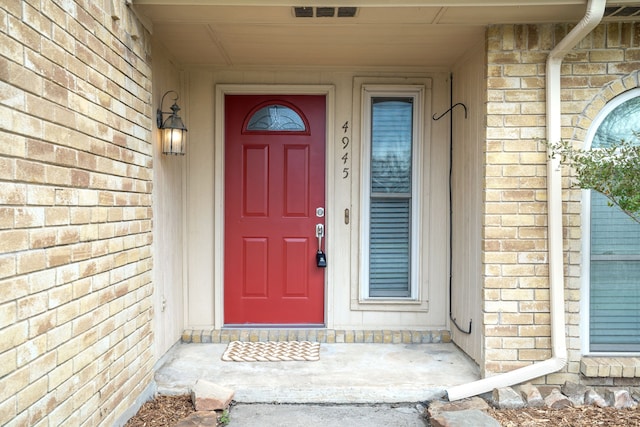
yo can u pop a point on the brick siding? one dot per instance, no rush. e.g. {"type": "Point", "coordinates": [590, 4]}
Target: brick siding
{"type": "Point", "coordinates": [331, 336]}
{"type": "Point", "coordinates": [75, 212]}
{"type": "Point", "coordinates": [516, 289]}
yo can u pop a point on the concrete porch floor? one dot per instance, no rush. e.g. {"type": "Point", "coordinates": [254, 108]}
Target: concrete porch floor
{"type": "Point", "coordinates": [345, 374]}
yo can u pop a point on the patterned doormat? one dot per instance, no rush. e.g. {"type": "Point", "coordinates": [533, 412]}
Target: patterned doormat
{"type": "Point", "coordinates": [271, 351]}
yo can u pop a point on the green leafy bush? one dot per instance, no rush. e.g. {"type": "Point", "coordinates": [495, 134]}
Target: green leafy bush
{"type": "Point", "coordinates": [613, 171]}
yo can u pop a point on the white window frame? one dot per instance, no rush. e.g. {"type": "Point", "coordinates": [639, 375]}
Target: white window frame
{"type": "Point", "coordinates": [417, 93]}
{"type": "Point", "coordinates": [585, 285]}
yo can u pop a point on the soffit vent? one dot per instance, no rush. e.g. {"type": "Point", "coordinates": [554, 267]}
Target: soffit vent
{"type": "Point", "coordinates": [347, 12]}
{"type": "Point", "coordinates": [303, 12]}
{"type": "Point", "coordinates": [325, 12]}
{"type": "Point", "coordinates": [622, 12]}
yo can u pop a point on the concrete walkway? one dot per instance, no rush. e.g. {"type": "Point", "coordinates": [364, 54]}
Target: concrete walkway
{"type": "Point", "coordinates": [345, 374]}
{"type": "Point", "coordinates": [261, 415]}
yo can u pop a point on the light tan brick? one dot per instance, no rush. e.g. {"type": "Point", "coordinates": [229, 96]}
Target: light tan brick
{"type": "Point", "coordinates": [503, 83]}
{"type": "Point", "coordinates": [6, 218]}
{"type": "Point", "coordinates": [502, 354]}
{"type": "Point", "coordinates": [503, 108]}
{"type": "Point", "coordinates": [14, 240]}
{"type": "Point", "coordinates": [516, 294]}
{"type": "Point", "coordinates": [8, 314]}
{"type": "Point", "coordinates": [504, 366]}
{"type": "Point", "coordinates": [39, 325]}
{"type": "Point", "coordinates": [38, 195]}
{"type": "Point", "coordinates": [533, 282]}
{"type": "Point", "coordinates": [534, 306]}
{"type": "Point", "coordinates": [523, 120]}
{"type": "Point", "coordinates": [7, 269]}
{"type": "Point", "coordinates": [8, 362]}
{"type": "Point", "coordinates": [518, 270]}
{"type": "Point", "coordinates": [29, 217]}
{"type": "Point", "coordinates": [32, 350]}
{"type": "Point", "coordinates": [57, 215]}
{"type": "Point", "coordinates": [534, 330]}
{"type": "Point", "coordinates": [501, 233]}
{"type": "Point", "coordinates": [31, 261]}
{"type": "Point", "coordinates": [628, 366]}
{"type": "Point", "coordinates": [31, 394]}
{"type": "Point", "coordinates": [503, 133]}
{"type": "Point", "coordinates": [533, 108]}
{"type": "Point", "coordinates": [14, 382]}
{"type": "Point", "coordinates": [501, 282]}
{"type": "Point", "coordinates": [13, 336]}
{"type": "Point", "coordinates": [31, 305]}
{"type": "Point", "coordinates": [501, 331]}
{"type": "Point", "coordinates": [58, 335]}
{"type": "Point", "coordinates": [41, 280]}
{"type": "Point", "coordinates": [57, 175]}
{"type": "Point", "coordinates": [517, 318]}
{"type": "Point", "coordinates": [518, 221]}
{"type": "Point", "coordinates": [531, 83]}
{"type": "Point", "coordinates": [60, 295]}
{"type": "Point", "coordinates": [606, 55]}
{"type": "Point", "coordinates": [518, 246]}
{"type": "Point", "coordinates": [615, 368]}
{"type": "Point", "coordinates": [518, 342]}
{"type": "Point", "coordinates": [68, 235]}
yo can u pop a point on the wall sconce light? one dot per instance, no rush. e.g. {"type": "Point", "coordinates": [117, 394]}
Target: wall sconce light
{"type": "Point", "coordinates": [173, 133]}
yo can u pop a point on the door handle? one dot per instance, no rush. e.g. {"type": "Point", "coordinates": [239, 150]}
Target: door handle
{"type": "Point", "coordinates": [321, 258]}
{"type": "Point", "coordinates": [319, 234]}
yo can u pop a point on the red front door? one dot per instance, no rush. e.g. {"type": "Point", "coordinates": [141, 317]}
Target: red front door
{"type": "Point", "coordinates": [274, 183]}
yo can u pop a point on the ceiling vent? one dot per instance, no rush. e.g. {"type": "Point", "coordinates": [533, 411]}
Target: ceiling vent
{"type": "Point", "coordinates": [622, 12]}
{"type": "Point", "coordinates": [347, 12]}
{"type": "Point", "coordinates": [303, 12]}
{"type": "Point", "coordinates": [325, 12]}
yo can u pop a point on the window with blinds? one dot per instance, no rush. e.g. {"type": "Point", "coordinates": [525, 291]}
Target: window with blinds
{"type": "Point", "coordinates": [614, 288]}
{"type": "Point", "coordinates": [390, 196]}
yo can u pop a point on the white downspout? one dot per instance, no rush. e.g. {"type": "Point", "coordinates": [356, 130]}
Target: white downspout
{"type": "Point", "coordinates": [592, 17]}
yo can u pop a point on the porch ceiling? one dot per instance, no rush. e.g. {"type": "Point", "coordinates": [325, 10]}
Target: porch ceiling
{"type": "Point", "coordinates": [413, 33]}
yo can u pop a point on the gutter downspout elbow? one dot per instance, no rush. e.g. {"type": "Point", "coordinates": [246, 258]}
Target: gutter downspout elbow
{"type": "Point", "coordinates": [592, 17]}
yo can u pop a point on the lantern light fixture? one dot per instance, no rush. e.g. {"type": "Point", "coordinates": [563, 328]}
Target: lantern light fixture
{"type": "Point", "coordinates": [173, 132]}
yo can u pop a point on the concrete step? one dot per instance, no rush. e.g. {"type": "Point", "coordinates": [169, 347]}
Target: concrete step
{"type": "Point", "coordinates": [345, 374]}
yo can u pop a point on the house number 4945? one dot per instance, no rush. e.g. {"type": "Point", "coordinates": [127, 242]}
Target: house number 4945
{"type": "Point", "coordinates": [345, 151]}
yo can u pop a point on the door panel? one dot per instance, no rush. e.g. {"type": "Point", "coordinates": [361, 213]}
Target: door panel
{"type": "Point", "coordinates": [296, 188]}
{"type": "Point", "coordinates": [274, 181]}
{"type": "Point", "coordinates": [255, 181]}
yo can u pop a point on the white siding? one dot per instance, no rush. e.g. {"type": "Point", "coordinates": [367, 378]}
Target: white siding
{"type": "Point", "coordinates": [469, 88]}
{"type": "Point", "coordinates": [168, 218]}
{"type": "Point", "coordinates": [205, 194]}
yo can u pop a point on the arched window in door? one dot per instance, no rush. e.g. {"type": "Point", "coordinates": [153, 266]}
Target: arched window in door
{"type": "Point", "coordinates": [276, 117]}
{"type": "Point", "coordinates": [613, 240]}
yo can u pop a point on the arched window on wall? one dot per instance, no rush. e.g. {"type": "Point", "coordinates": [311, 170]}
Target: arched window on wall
{"type": "Point", "coordinates": [611, 245]}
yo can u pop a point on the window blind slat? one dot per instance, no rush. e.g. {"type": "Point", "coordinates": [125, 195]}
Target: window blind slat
{"type": "Point", "coordinates": [615, 306]}
{"type": "Point", "coordinates": [389, 247]}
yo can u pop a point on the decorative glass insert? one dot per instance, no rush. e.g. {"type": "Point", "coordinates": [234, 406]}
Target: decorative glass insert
{"type": "Point", "coordinates": [620, 124]}
{"type": "Point", "coordinates": [614, 293]}
{"type": "Point", "coordinates": [276, 117]}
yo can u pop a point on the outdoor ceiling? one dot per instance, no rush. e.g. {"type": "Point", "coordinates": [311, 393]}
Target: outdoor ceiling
{"type": "Point", "coordinates": [424, 34]}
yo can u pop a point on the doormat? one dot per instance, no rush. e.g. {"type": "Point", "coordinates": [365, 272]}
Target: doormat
{"type": "Point", "coordinates": [271, 351]}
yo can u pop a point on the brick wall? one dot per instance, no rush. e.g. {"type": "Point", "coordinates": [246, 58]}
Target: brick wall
{"type": "Point", "coordinates": [516, 290]}
{"type": "Point", "coordinates": [75, 215]}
